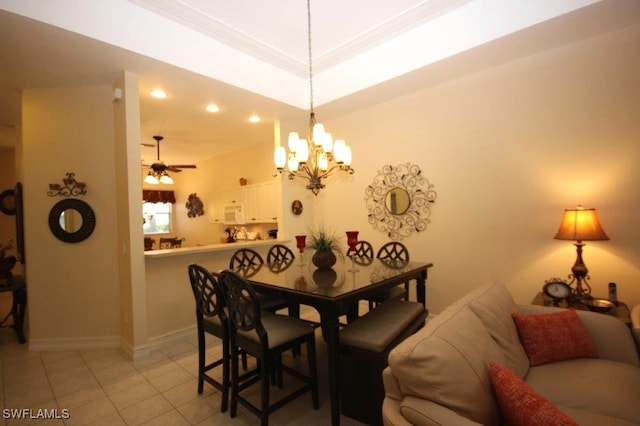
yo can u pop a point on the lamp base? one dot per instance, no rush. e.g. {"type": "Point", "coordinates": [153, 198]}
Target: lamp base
{"type": "Point", "coordinates": [580, 275]}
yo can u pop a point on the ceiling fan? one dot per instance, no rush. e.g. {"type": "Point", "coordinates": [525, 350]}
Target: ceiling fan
{"type": "Point", "coordinates": [158, 170]}
{"type": "Point", "coordinates": [159, 165]}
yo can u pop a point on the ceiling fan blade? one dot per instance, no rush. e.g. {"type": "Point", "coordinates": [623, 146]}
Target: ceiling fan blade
{"type": "Point", "coordinates": [183, 166]}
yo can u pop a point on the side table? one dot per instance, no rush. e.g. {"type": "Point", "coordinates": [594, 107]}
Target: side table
{"type": "Point", "coordinates": [18, 287]}
{"type": "Point", "coordinates": [621, 311]}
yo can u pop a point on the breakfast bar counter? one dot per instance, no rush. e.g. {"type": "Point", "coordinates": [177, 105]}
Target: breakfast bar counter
{"type": "Point", "coordinates": [253, 244]}
{"type": "Point", "coordinates": [169, 300]}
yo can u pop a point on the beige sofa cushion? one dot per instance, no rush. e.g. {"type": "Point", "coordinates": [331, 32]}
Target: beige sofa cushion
{"type": "Point", "coordinates": [596, 386]}
{"type": "Point", "coordinates": [447, 362]}
{"type": "Point", "coordinates": [494, 305]}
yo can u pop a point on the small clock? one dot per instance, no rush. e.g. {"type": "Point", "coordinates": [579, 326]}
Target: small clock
{"type": "Point", "coordinates": [557, 289]}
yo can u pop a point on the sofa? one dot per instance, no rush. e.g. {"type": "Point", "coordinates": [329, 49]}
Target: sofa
{"type": "Point", "coordinates": [452, 371]}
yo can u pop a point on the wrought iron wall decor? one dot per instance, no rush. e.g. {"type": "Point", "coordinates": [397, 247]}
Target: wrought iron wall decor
{"type": "Point", "coordinates": [70, 187]}
{"type": "Point", "coordinates": [399, 200]}
{"type": "Point", "coordinates": [194, 206]}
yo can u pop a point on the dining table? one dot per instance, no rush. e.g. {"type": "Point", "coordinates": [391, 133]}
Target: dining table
{"type": "Point", "coordinates": [333, 293]}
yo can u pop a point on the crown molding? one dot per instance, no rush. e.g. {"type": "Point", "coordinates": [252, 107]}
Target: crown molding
{"type": "Point", "coordinates": [197, 20]}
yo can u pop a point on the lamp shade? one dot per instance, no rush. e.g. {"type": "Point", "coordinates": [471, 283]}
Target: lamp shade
{"type": "Point", "coordinates": [580, 224]}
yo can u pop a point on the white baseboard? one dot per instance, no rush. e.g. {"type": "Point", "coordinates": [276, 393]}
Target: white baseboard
{"type": "Point", "coordinates": [110, 342]}
{"type": "Point", "coordinates": [74, 344]}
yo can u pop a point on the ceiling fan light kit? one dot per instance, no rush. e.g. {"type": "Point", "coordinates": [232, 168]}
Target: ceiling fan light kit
{"type": "Point", "coordinates": [158, 170]}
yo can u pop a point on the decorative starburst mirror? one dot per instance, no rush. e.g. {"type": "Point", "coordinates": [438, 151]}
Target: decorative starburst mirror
{"type": "Point", "coordinates": [399, 200]}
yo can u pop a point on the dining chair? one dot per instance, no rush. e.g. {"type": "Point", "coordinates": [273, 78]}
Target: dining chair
{"type": "Point", "coordinates": [363, 253]}
{"type": "Point", "coordinates": [212, 319]}
{"type": "Point", "coordinates": [279, 257]}
{"type": "Point", "coordinates": [265, 336]}
{"type": "Point", "coordinates": [170, 242]}
{"type": "Point", "coordinates": [395, 253]}
{"type": "Point", "coordinates": [248, 262]}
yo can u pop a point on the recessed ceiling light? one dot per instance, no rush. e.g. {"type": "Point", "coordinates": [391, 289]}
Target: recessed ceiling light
{"type": "Point", "coordinates": [212, 108]}
{"type": "Point", "coordinates": [254, 119]}
{"type": "Point", "coordinates": [158, 93]}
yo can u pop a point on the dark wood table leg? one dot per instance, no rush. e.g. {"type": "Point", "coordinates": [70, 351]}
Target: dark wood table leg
{"type": "Point", "coordinates": [352, 312]}
{"type": "Point", "coordinates": [331, 331]}
{"type": "Point", "coordinates": [421, 288]}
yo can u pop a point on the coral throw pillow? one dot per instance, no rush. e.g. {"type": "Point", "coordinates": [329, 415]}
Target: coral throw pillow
{"type": "Point", "coordinates": [520, 404]}
{"type": "Point", "coordinates": [554, 337]}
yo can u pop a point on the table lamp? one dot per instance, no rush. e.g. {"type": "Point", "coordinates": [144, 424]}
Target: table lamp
{"type": "Point", "coordinates": [580, 225]}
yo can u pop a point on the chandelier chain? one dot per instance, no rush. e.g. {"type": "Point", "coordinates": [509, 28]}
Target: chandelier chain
{"type": "Point", "coordinates": [316, 157]}
{"type": "Point", "coordinates": [310, 56]}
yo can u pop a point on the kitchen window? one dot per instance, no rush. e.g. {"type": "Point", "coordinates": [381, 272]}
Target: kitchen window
{"type": "Point", "coordinates": [157, 218]}
{"type": "Point", "coordinates": [157, 212]}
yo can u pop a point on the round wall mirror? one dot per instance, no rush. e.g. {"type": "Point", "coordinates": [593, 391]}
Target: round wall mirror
{"type": "Point", "coordinates": [397, 200]}
{"type": "Point", "coordinates": [8, 202]}
{"type": "Point", "coordinates": [72, 220]}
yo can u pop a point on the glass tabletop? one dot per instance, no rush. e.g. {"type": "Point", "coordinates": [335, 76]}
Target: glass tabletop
{"type": "Point", "coordinates": [337, 281]}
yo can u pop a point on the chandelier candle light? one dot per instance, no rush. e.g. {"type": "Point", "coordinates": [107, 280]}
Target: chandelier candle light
{"type": "Point", "coordinates": [311, 158]}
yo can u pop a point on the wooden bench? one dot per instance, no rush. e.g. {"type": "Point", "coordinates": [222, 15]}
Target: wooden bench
{"type": "Point", "coordinates": [364, 350]}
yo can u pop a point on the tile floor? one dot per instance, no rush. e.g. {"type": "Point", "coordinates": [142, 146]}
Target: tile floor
{"type": "Point", "coordinates": [102, 387]}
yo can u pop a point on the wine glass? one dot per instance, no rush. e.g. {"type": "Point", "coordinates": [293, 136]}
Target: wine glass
{"type": "Point", "coordinates": [301, 244]}
{"type": "Point", "coordinates": [352, 240]}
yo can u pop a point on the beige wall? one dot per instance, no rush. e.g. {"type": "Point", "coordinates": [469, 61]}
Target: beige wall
{"type": "Point", "coordinates": [211, 176]}
{"type": "Point", "coordinates": [72, 288]}
{"type": "Point", "coordinates": [507, 150]}
{"type": "Point", "coordinates": [131, 268]}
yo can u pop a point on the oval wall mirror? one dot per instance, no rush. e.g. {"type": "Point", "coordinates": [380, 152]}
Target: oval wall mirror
{"type": "Point", "coordinates": [399, 200]}
{"type": "Point", "coordinates": [72, 220]}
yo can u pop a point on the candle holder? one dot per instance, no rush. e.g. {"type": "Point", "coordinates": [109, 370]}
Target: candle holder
{"type": "Point", "coordinates": [301, 244]}
{"type": "Point", "coordinates": [352, 240]}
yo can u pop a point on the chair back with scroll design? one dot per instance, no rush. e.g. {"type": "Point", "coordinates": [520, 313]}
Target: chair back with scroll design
{"type": "Point", "coordinates": [246, 262]}
{"type": "Point", "coordinates": [210, 318]}
{"type": "Point", "coordinates": [363, 253]}
{"type": "Point", "coordinates": [279, 257]}
{"type": "Point", "coordinates": [393, 251]}
{"type": "Point", "coordinates": [250, 327]}
{"type": "Point", "coordinates": [397, 256]}
{"type": "Point", "coordinates": [244, 258]}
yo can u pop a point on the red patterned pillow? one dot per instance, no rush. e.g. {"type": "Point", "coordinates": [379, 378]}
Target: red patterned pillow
{"type": "Point", "coordinates": [521, 405]}
{"type": "Point", "coordinates": [554, 337]}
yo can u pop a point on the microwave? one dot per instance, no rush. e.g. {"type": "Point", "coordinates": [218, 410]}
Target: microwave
{"type": "Point", "coordinates": [234, 214]}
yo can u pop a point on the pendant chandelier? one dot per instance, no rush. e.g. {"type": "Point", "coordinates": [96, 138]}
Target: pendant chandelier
{"type": "Point", "coordinates": [318, 156]}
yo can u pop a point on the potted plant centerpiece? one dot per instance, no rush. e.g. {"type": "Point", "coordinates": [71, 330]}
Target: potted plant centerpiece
{"type": "Point", "coordinates": [325, 246]}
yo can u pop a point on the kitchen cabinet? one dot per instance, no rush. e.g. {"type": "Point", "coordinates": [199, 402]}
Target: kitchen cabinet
{"type": "Point", "coordinates": [260, 202]}
{"type": "Point", "coordinates": [221, 199]}
{"type": "Point", "coordinates": [216, 213]}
